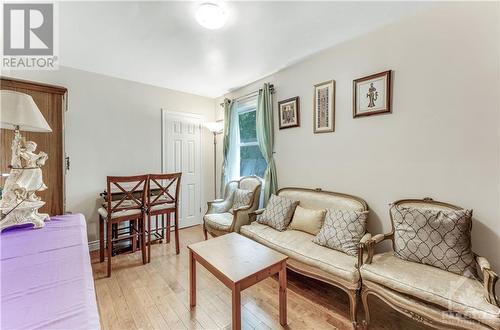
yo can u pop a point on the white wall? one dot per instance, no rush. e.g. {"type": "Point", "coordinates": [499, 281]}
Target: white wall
{"type": "Point", "coordinates": [113, 127]}
{"type": "Point", "coordinates": [442, 139]}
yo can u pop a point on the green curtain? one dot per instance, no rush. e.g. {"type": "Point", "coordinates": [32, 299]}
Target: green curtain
{"type": "Point", "coordinates": [228, 109]}
{"type": "Point", "coordinates": [265, 137]}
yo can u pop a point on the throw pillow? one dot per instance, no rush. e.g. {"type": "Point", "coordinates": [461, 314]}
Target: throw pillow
{"type": "Point", "coordinates": [438, 238]}
{"type": "Point", "coordinates": [307, 220]}
{"type": "Point", "coordinates": [241, 198]}
{"type": "Point", "coordinates": [342, 230]}
{"type": "Point", "coordinates": [278, 212]}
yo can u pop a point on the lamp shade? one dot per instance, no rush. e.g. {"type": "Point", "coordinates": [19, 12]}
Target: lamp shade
{"type": "Point", "coordinates": [19, 109]}
{"type": "Point", "coordinates": [215, 127]}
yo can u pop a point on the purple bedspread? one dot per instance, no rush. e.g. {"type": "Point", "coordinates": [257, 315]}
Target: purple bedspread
{"type": "Point", "coordinates": [46, 277]}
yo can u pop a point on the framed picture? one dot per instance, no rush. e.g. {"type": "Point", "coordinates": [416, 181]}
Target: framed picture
{"type": "Point", "coordinates": [289, 114]}
{"type": "Point", "coordinates": [324, 107]}
{"type": "Point", "coordinates": [372, 95]}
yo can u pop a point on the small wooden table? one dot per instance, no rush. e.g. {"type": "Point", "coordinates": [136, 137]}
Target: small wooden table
{"type": "Point", "coordinates": [239, 263]}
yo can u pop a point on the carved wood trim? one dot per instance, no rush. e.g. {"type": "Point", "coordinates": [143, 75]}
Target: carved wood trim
{"type": "Point", "coordinates": [420, 312]}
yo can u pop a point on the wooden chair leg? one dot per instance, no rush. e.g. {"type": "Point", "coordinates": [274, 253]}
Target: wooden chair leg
{"type": "Point", "coordinates": [109, 246]}
{"type": "Point", "coordinates": [101, 239]}
{"type": "Point", "coordinates": [364, 299]}
{"type": "Point", "coordinates": [177, 249]}
{"type": "Point", "coordinates": [163, 227]}
{"type": "Point", "coordinates": [168, 226]}
{"type": "Point", "coordinates": [149, 237]}
{"type": "Point", "coordinates": [205, 233]}
{"type": "Point", "coordinates": [143, 239]}
{"type": "Point", "coordinates": [353, 307]}
{"type": "Point", "coordinates": [133, 232]}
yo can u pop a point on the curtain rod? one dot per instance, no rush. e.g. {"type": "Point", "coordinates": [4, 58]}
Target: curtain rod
{"type": "Point", "coordinates": [271, 88]}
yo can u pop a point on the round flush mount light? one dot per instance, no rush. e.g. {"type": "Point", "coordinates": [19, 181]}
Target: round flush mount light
{"type": "Point", "coordinates": [211, 16]}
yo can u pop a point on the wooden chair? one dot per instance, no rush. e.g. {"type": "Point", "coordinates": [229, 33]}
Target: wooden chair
{"type": "Point", "coordinates": [162, 201]}
{"type": "Point", "coordinates": [131, 206]}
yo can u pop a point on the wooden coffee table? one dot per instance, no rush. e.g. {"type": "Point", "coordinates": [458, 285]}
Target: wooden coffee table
{"type": "Point", "coordinates": [239, 263]}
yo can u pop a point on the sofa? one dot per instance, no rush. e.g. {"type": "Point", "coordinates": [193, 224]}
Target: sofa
{"type": "Point", "coordinates": [307, 258]}
{"type": "Point", "coordinates": [221, 218]}
{"type": "Point", "coordinates": [430, 295]}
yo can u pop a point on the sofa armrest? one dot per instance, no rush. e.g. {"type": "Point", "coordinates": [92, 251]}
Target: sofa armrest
{"type": "Point", "coordinates": [218, 206]}
{"type": "Point", "coordinates": [370, 245]}
{"type": "Point", "coordinates": [489, 280]}
{"type": "Point", "coordinates": [252, 216]}
{"type": "Point", "coordinates": [361, 248]}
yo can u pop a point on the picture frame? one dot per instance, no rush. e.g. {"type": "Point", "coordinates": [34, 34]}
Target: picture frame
{"type": "Point", "coordinates": [372, 95]}
{"type": "Point", "coordinates": [289, 113]}
{"type": "Point", "coordinates": [324, 107]}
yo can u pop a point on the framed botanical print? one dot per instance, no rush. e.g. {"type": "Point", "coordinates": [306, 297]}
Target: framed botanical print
{"type": "Point", "coordinates": [324, 107]}
{"type": "Point", "coordinates": [372, 94]}
{"type": "Point", "coordinates": [289, 113]}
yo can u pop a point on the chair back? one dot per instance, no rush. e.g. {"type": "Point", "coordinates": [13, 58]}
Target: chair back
{"type": "Point", "coordinates": [164, 189]}
{"type": "Point", "coordinates": [126, 193]}
{"type": "Point", "coordinates": [320, 199]}
{"type": "Point", "coordinates": [254, 184]}
{"type": "Point", "coordinates": [427, 203]}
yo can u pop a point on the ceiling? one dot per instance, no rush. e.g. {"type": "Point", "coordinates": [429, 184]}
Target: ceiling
{"type": "Point", "coordinates": [161, 44]}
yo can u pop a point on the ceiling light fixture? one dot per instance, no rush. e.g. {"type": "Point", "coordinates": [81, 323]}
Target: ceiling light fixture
{"type": "Point", "coordinates": [211, 16]}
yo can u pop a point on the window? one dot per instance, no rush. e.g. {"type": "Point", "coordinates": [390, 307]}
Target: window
{"type": "Point", "coordinates": [251, 160]}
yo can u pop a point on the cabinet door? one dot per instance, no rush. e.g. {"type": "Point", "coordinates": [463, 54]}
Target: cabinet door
{"type": "Point", "coordinates": [50, 101]}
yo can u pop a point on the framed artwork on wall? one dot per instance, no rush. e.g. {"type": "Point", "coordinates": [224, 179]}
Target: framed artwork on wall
{"type": "Point", "coordinates": [372, 94]}
{"type": "Point", "coordinates": [289, 113]}
{"type": "Point", "coordinates": [324, 107]}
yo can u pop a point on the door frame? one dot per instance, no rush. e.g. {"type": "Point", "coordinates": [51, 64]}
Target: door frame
{"type": "Point", "coordinates": [193, 116]}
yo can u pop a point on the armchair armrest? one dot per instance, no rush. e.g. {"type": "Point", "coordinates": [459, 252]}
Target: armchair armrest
{"type": "Point", "coordinates": [370, 245]}
{"type": "Point", "coordinates": [242, 216]}
{"type": "Point", "coordinates": [218, 206]}
{"type": "Point", "coordinates": [489, 280]}
{"type": "Point", "coordinates": [252, 216]}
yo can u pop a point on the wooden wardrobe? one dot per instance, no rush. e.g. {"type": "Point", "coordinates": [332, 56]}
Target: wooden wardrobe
{"type": "Point", "coordinates": [51, 100]}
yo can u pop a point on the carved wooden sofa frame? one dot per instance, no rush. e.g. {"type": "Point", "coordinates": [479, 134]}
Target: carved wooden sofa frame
{"type": "Point", "coordinates": [352, 290]}
{"type": "Point", "coordinates": [415, 308]}
{"type": "Point", "coordinates": [240, 215]}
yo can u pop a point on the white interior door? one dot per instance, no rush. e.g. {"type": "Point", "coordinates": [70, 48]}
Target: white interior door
{"type": "Point", "coordinates": [182, 153]}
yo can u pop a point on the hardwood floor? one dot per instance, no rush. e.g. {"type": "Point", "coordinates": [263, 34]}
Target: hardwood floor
{"type": "Point", "coordinates": [156, 296]}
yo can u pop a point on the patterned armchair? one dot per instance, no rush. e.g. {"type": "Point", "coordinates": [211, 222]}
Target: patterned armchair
{"type": "Point", "coordinates": [227, 215]}
{"type": "Point", "coordinates": [437, 295]}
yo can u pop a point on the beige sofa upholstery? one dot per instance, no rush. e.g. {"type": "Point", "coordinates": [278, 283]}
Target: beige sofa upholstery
{"type": "Point", "coordinates": [306, 257]}
{"type": "Point", "coordinates": [219, 220]}
{"type": "Point", "coordinates": [428, 294]}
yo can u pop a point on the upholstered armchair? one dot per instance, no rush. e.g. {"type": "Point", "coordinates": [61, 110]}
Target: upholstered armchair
{"type": "Point", "coordinates": [436, 297]}
{"type": "Point", "coordinates": [227, 215]}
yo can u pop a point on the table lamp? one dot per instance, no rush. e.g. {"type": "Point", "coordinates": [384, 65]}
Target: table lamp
{"type": "Point", "coordinates": [19, 203]}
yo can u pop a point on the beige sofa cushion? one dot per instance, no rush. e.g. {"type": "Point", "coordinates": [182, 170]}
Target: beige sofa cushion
{"type": "Point", "coordinates": [307, 220]}
{"type": "Point", "coordinates": [299, 246]}
{"type": "Point", "coordinates": [448, 290]}
{"type": "Point", "coordinates": [342, 230]}
{"type": "Point", "coordinates": [440, 238]}
{"type": "Point", "coordinates": [219, 221]}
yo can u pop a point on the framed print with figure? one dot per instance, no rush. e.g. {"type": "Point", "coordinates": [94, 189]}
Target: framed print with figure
{"type": "Point", "coordinates": [324, 107]}
{"type": "Point", "coordinates": [372, 94]}
{"type": "Point", "coordinates": [289, 113]}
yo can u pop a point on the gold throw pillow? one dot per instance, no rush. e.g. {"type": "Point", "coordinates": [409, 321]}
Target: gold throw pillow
{"type": "Point", "coordinates": [308, 220]}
